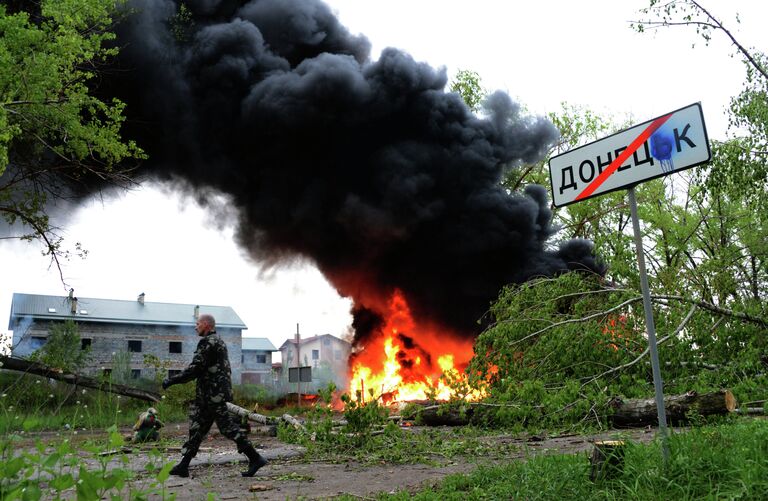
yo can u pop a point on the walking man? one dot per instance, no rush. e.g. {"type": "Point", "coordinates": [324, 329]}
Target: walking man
{"type": "Point", "coordinates": [210, 367]}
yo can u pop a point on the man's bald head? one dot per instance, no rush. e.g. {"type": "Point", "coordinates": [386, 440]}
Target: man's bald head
{"type": "Point", "coordinates": [205, 324]}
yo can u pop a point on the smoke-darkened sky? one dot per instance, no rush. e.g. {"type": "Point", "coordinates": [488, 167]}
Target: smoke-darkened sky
{"type": "Point", "coordinates": [369, 168]}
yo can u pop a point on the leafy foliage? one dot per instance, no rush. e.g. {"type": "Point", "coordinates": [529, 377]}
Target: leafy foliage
{"type": "Point", "coordinates": [63, 348]}
{"type": "Point", "coordinates": [52, 124]}
{"type": "Point", "coordinates": [467, 84]}
{"type": "Point", "coordinates": [559, 348]}
{"type": "Point", "coordinates": [61, 464]}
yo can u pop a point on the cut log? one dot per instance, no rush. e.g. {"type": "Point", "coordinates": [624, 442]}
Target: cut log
{"type": "Point", "coordinates": [642, 412]}
{"type": "Point", "coordinates": [607, 460]}
{"type": "Point", "coordinates": [38, 369]}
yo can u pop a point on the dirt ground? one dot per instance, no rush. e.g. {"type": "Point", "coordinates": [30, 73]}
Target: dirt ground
{"type": "Point", "coordinates": [291, 476]}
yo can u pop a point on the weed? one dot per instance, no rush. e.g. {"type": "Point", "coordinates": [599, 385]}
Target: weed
{"type": "Point", "coordinates": [52, 470]}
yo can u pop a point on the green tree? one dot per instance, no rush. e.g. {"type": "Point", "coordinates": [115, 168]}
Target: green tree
{"type": "Point", "coordinates": [63, 349]}
{"type": "Point", "coordinates": [729, 252]}
{"type": "Point", "coordinates": [55, 133]}
{"type": "Point", "coordinates": [467, 84]}
{"type": "Point", "coordinates": [566, 344]}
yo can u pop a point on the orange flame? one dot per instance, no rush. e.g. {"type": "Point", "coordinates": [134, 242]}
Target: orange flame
{"type": "Point", "coordinates": [404, 360]}
{"type": "Point", "coordinates": [619, 333]}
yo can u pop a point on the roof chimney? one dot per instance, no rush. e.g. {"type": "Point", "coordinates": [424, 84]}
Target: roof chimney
{"type": "Point", "coordinates": [72, 303]}
{"type": "Point", "coordinates": [197, 312]}
{"type": "Point", "coordinates": [140, 299]}
{"type": "Point", "coordinates": [71, 293]}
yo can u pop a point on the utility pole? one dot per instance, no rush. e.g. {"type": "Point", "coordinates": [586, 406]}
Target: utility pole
{"type": "Point", "coordinates": [298, 365]}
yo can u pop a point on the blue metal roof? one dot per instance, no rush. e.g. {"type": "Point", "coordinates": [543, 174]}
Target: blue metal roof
{"type": "Point", "coordinates": [117, 311]}
{"type": "Point", "coordinates": [258, 344]}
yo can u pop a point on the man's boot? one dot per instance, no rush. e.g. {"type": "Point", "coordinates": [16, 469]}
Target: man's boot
{"type": "Point", "coordinates": [255, 460]}
{"type": "Point", "coordinates": [182, 469]}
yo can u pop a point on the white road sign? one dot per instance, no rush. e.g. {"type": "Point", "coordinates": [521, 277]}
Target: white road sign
{"type": "Point", "coordinates": [655, 148]}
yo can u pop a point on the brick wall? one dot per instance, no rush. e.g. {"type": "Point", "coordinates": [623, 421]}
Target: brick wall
{"type": "Point", "coordinates": [108, 339]}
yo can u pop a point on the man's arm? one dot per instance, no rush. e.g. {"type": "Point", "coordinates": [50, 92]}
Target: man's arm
{"type": "Point", "coordinates": [194, 369]}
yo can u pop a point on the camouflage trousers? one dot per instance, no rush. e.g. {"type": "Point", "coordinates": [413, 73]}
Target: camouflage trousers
{"type": "Point", "coordinates": [201, 417]}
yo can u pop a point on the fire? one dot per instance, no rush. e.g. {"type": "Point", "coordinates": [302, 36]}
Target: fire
{"type": "Point", "coordinates": [405, 359]}
{"type": "Point", "coordinates": [619, 333]}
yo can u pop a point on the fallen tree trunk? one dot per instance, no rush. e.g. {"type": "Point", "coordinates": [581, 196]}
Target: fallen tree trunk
{"type": "Point", "coordinates": [262, 419]}
{"type": "Point", "coordinates": [438, 413]}
{"type": "Point", "coordinates": [251, 416]}
{"type": "Point", "coordinates": [293, 422]}
{"type": "Point", "coordinates": [642, 412]}
{"type": "Point", "coordinates": [38, 369]}
{"type": "Point", "coordinates": [752, 411]}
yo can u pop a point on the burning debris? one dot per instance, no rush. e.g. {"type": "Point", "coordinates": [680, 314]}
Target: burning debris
{"type": "Point", "coordinates": [369, 168]}
{"type": "Point", "coordinates": [415, 357]}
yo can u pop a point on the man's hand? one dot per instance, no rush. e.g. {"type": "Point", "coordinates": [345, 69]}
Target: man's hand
{"type": "Point", "coordinates": [166, 383]}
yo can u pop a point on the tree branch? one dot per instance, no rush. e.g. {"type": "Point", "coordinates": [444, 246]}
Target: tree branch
{"type": "Point", "coordinates": [714, 309]}
{"type": "Point", "coordinates": [735, 42]}
{"type": "Point", "coordinates": [576, 320]}
{"type": "Point", "coordinates": [646, 351]}
{"type": "Point", "coordinates": [657, 297]}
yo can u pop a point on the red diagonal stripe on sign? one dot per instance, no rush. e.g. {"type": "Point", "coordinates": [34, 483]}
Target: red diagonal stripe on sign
{"type": "Point", "coordinates": [639, 140]}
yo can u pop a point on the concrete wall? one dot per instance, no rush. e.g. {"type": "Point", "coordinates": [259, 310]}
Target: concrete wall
{"type": "Point", "coordinates": [108, 339]}
{"type": "Point", "coordinates": [253, 371]}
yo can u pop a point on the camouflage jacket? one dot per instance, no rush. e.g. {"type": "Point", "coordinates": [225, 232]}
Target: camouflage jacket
{"type": "Point", "coordinates": [210, 367]}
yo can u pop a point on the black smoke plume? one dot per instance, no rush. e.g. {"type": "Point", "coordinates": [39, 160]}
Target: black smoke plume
{"type": "Point", "coordinates": [369, 168]}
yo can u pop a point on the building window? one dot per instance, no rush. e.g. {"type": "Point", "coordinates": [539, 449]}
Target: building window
{"type": "Point", "coordinates": [37, 342]}
{"type": "Point", "coordinates": [173, 372]}
{"type": "Point", "coordinates": [174, 347]}
{"type": "Point", "coordinates": [135, 373]}
{"type": "Point", "coordinates": [242, 358]}
{"type": "Point", "coordinates": [134, 346]}
{"type": "Point", "coordinates": [337, 354]}
{"type": "Point", "coordinates": [315, 354]}
{"type": "Point", "coordinates": [261, 359]}
{"type": "Point", "coordinates": [85, 343]}
{"type": "Point", "coordinates": [327, 341]}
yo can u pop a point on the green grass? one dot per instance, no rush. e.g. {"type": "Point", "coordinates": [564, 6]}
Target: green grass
{"type": "Point", "coordinates": [31, 403]}
{"type": "Point", "coordinates": [727, 461]}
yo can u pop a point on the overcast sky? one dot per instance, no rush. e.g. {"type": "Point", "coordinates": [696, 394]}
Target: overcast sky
{"type": "Point", "coordinates": [542, 53]}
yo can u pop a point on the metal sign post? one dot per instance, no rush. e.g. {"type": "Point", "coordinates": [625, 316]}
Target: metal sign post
{"type": "Point", "coordinates": [658, 385]}
{"type": "Point", "coordinates": [659, 147]}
